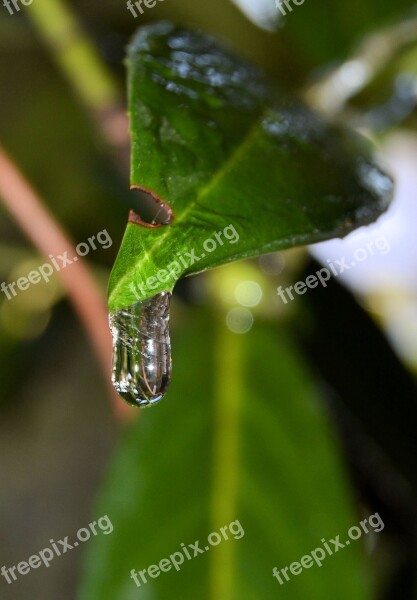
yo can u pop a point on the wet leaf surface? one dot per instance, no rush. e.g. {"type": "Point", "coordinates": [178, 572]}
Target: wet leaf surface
{"type": "Point", "coordinates": [217, 144]}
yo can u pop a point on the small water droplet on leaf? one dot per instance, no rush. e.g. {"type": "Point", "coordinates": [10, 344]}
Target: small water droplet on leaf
{"type": "Point", "coordinates": [142, 350]}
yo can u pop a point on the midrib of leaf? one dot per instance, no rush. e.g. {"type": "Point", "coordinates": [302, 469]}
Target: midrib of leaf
{"type": "Point", "coordinates": [216, 180]}
{"type": "Point", "coordinates": [227, 407]}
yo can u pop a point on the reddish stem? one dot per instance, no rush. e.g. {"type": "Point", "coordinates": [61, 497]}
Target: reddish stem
{"type": "Point", "coordinates": [47, 236]}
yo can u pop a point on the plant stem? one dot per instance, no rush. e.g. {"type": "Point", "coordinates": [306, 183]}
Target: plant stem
{"type": "Point", "coordinates": [28, 210]}
{"type": "Point", "coordinates": [84, 69]}
{"type": "Point", "coordinates": [75, 54]}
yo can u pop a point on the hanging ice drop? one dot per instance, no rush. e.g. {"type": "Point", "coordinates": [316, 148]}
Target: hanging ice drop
{"type": "Point", "coordinates": [142, 350]}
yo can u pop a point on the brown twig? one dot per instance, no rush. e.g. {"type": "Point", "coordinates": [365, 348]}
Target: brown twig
{"type": "Point", "coordinates": [47, 236]}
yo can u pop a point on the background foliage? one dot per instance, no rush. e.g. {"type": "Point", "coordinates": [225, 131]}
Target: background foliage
{"type": "Point", "coordinates": [316, 405]}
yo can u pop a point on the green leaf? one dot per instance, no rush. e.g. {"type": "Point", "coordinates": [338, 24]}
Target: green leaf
{"type": "Point", "coordinates": [216, 143]}
{"type": "Point", "coordinates": [327, 31]}
{"type": "Point", "coordinates": [258, 450]}
{"type": "Point", "coordinates": [381, 401]}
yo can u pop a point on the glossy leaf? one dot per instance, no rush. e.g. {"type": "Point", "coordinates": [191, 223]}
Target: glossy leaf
{"type": "Point", "coordinates": [213, 141]}
{"type": "Point", "coordinates": [258, 450]}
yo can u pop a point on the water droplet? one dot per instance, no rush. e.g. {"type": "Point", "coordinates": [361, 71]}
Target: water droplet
{"type": "Point", "coordinates": [142, 350]}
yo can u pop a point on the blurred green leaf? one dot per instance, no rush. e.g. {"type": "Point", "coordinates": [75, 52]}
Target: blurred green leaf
{"type": "Point", "coordinates": [389, 99]}
{"type": "Point", "coordinates": [382, 401]}
{"type": "Point", "coordinates": [327, 31]}
{"type": "Point", "coordinates": [213, 140]}
{"type": "Point", "coordinates": [241, 436]}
